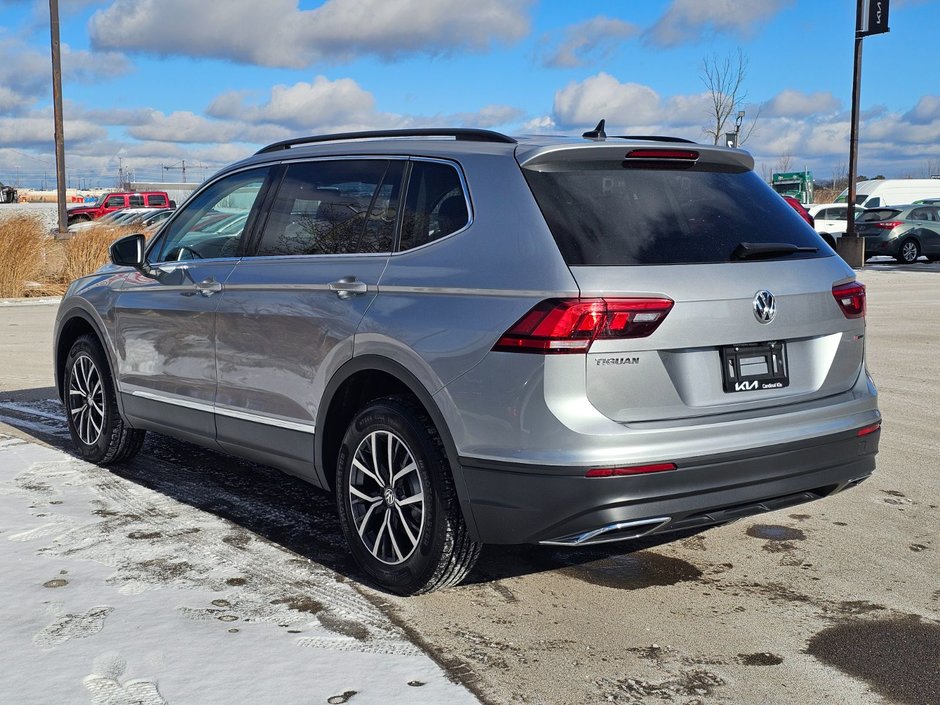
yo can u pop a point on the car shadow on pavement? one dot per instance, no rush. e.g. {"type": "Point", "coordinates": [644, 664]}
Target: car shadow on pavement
{"type": "Point", "coordinates": [280, 508]}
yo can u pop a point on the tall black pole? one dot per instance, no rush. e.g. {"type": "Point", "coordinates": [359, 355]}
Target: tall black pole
{"type": "Point", "coordinates": [57, 110]}
{"type": "Point", "coordinates": [853, 139]}
{"type": "Point", "coordinates": [850, 247]}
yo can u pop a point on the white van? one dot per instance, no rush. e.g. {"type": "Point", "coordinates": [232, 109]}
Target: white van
{"type": "Point", "coordinates": [892, 192]}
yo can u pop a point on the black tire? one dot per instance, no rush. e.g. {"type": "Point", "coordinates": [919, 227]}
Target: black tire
{"type": "Point", "coordinates": [99, 433]}
{"type": "Point", "coordinates": [908, 251]}
{"type": "Point", "coordinates": [431, 551]}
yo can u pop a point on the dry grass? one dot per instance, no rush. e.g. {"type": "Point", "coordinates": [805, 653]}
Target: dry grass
{"type": "Point", "coordinates": [22, 255]}
{"type": "Point", "coordinates": [88, 250]}
{"type": "Point", "coordinates": [34, 264]}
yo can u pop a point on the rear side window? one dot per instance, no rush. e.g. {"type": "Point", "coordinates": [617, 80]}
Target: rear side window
{"type": "Point", "coordinates": [435, 206]}
{"type": "Point", "coordinates": [334, 207]}
{"type": "Point", "coordinates": [609, 215]}
{"type": "Point", "coordinates": [135, 200]}
{"type": "Point", "coordinates": [157, 200]}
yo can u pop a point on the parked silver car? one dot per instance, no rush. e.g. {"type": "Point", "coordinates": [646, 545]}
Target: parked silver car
{"type": "Point", "coordinates": [902, 232]}
{"type": "Point", "coordinates": [471, 338]}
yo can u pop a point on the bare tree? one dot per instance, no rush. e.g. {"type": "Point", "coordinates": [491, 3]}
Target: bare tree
{"type": "Point", "coordinates": [724, 79]}
{"type": "Point", "coordinates": [784, 161]}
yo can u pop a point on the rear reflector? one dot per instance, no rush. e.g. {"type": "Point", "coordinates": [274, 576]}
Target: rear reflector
{"type": "Point", "coordinates": [851, 299]}
{"type": "Point", "coordinates": [630, 470]}
{"type": "Point", "coordinates": [556, 326]}
{"type": "Point", "coordinates": [868, 430]}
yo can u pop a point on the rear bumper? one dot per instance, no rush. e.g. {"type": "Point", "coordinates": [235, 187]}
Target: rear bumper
{"type": "Point", "coordinates": [516, 503]}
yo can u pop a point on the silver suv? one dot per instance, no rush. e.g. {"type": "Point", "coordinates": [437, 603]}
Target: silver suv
{"type": "Point", "coordinates": [470, 338]}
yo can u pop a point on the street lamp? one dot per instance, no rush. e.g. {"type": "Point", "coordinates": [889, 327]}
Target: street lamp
{"type": "Point", "coordinates": [737, 126]}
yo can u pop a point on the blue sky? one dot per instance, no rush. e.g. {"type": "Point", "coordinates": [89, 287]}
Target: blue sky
{"type": "Point", "coordinates": [149, 83]}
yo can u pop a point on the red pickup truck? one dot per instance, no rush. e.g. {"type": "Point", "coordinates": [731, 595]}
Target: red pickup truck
{"type": "Point", "coordinates": [110, 202]}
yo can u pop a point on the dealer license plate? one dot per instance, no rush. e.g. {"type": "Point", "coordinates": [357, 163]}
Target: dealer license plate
{"type": "Point", "coordinates": [755, 366]}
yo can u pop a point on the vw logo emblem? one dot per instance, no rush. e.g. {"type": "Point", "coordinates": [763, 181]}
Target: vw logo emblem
{"type": "Point", "coordinates": [765, 306]}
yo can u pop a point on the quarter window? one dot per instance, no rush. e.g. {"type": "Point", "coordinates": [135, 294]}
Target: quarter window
{"type": "Point", "coordinates": [334, 207]}
{"type": "Point", "coordinates": [212, 224]}
{"type": "Point", "coordinates": [157, 200]}
{"type": "Point", "coordinates": [435, 206]}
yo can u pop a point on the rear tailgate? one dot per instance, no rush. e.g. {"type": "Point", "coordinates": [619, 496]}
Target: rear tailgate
{"type": "Point", "coordinates": [696, 225]}
{"type": "Point", "coordinates": [678, 371]}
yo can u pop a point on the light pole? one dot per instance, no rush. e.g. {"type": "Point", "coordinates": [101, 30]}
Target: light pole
{"type": "Point", "coordinates": [871, 17]}
{"type": "Point", "coordinates": [62, 232]}
{"type": "Point", "coordinates": [737, 126]}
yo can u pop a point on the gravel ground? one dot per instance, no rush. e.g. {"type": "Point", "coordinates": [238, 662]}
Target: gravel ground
{"type": "Point", "coordinates": [46, 212]}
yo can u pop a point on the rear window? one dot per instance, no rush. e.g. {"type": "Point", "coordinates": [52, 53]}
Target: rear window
{"type": "Point", "coordinates": [876, 214]}
{"type": "Point", "coordinates": [616, 216]}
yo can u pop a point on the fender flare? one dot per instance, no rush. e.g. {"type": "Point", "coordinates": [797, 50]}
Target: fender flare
{"type": "Point", "coordinates": [411, 382]}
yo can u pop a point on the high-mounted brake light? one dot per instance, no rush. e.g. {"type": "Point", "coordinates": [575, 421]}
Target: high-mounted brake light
{"type": "Point", "coordinates": [630, 470]}
{"type": "Point", "coordinates": [557, 326]}
{"type": "Point", "coordinates": [851, 299]}
{"type": "Point", "coordinates": [662, 154]}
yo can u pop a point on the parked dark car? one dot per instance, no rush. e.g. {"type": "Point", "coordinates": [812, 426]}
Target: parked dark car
{"type": "Point", "coordinates": [902, 232]}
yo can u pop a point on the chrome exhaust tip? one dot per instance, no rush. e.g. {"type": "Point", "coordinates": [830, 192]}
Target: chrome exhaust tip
{"type": "Point", "coordinates": [619, 531]}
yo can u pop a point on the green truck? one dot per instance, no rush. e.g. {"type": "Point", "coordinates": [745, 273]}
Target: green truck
{"type": "Point", "coordinates": [798, 184]}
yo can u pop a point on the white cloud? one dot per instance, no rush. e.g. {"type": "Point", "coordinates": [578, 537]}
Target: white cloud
{"type": "Point", "coordinates": [303, 106]}
{"type": "Point", "coordinates": [36, 129]}
{"type": "Point", "coordinates": [582, 104]}
{"type": "Point", "coordinates": [793, 103]}
{"type": "Point", "coordinates": [278, 33]}
{"type": "Point", "coordinates": [595, 38]}
{"type": "Point", "coordinates": [927, 110]}
{"type": "Point", "coordinates": [687, 20]}
{"type": "Point", "coordinates": [537, 125]}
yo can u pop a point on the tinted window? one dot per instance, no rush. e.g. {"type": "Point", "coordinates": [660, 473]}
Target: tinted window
{"type": "Point", "coordinates": [212, 223]}
{"type": "Point", "coordinates": [334, 207]}
{"type": "Point", "coordinates": [621, 216]}
{"type": "Point", "coordinates": [877, 214]}
{"type": "Point", "coordinates": [157, 200]}
{"type": "Point", "coordinates": [436, 204]}
{"type": "Point", "coordinates": [135, 200]}
{"type": "Point", "coordinates": [114, 202]}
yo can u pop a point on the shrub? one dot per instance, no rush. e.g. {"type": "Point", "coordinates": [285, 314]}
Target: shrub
{"type": "Point", "coordinates": [88, 250]}
{"type": "Point", "coordinates": [22, 254]}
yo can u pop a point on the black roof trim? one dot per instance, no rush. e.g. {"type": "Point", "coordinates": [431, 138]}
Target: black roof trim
{"type": "Point", "coordinates": [459, 133]}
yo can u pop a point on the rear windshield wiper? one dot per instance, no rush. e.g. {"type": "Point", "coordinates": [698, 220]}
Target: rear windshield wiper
{"type": "Point", "coordinates": [766, 250]}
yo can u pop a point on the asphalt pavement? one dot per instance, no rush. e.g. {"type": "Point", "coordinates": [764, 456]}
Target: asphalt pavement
{"type": "Point", "coordinates": [837, 601]}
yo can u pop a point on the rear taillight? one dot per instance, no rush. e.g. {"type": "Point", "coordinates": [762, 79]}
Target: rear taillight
{"type": "Point", "coordinates": [851, 299]}
{"type": "Point", "coordinates": [558, 326]}
{"type": "Point", "coordinates": [888, 224]}
{"type": "Point", "coordinates": [868, 430]}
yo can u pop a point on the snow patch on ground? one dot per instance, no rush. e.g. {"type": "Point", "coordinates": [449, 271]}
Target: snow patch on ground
{"type": "Point", "coordinates": [116, 594]}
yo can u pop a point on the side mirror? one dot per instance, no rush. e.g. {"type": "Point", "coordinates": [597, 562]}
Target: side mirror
{"type": "Point", "coordinates": [128, 251]}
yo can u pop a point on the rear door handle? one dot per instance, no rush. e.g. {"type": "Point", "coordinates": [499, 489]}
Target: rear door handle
{"type": "Point", "coordinates": [347, 287]}
{"type": "Point", "coordinates": [208, 287]}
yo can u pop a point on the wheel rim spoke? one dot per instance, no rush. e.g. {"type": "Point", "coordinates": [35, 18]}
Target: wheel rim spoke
{"type": "Point", "coordinates": [385, 495]}
{"type": "Point", "coordinates": [87, 417]}
{"type": "Point", "coordinates": [404, 523]}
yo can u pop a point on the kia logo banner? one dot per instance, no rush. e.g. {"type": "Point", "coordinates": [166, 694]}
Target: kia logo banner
{"type": "Point", "coordinates": [872, 17]}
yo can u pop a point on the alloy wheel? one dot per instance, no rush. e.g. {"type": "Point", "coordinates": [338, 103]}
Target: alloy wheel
{"type": "Point", "coordinates": [86, 400]}
{"type": "Point", "coordinates": [386, 497]}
